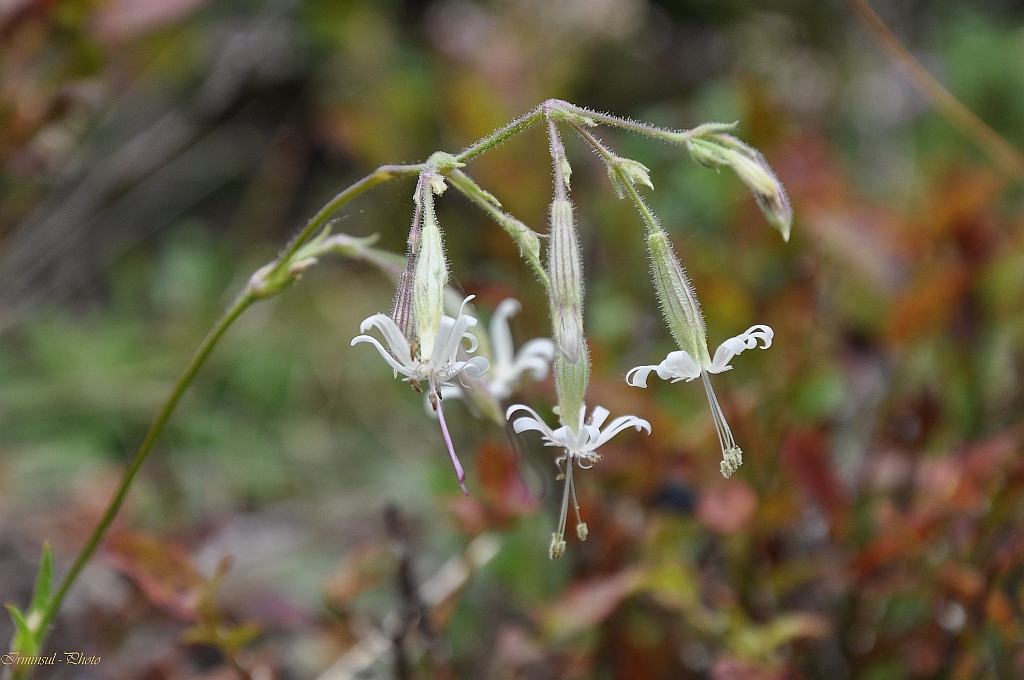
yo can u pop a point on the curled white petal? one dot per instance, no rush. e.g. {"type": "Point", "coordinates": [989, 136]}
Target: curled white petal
{"type": "Point", "coordinates": [407, 371]}
{"type": "Point", "coordinates": [618, 425]}
{"type": "Point", "coordinates": [582, 444]}
{"type": "Point", "coordinates": [536, 357]}
{"type": "Point", "coordinates": [637, 377]}
{"type": "Point", "coordinates": [397, 343]}
{"type": "Point", "coordinates": [679, 365]}
{"type": "Point", "coordinates": [744, 341]}
{"type": "Point", "coordinates": [501, 334]}
{"type": "Point", "coordinates": [524, 424]}
{"type": "Point", "coordinates": [473, 369]}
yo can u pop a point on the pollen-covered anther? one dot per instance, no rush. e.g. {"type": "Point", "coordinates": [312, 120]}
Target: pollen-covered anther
{"type": "Point", "coordinates": [557, 548]}
{"type": "Point", "coordinates": [581, 531]}
{"type": "Point", "coordinates": [731, 461]}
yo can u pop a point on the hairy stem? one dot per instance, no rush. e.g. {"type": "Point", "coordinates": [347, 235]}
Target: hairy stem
{"type": "Point", "coordinates": [501, 134]}
{"type": "Point", "coordinates": [664, 134]}
{"type": "Point", "coordinates": [608, 156]}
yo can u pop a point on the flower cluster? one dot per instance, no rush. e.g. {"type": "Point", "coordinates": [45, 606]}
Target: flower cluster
{"type": "Point", "coordinates": [427, 346]}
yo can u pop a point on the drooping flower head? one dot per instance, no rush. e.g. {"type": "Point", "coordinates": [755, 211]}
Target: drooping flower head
{"type": "Point", "coordinates": [578, 437]}
{"type": "Point", "coordinates": [579, 445]}
{"type": "Point", "coordinates": [422, 341]}
{"type": "Point", "coordinates": [508, 368]}
{"type": "Point", "coordinates": [682, 313]}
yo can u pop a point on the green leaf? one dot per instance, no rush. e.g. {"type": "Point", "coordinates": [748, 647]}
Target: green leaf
{"type": "Point", "coordinates": [23, 642]}
{"type": "Point", "coordinates": [44, 581]}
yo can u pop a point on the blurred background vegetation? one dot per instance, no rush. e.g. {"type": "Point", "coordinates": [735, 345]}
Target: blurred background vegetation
{"type": "Point", "coordinates": [153, 153]}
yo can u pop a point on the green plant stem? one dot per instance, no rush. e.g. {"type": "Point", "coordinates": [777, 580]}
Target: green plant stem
{"type": "Point", "coordinates": [608, 156]}
{"type": "Point", "coordinates": [501, 134]}
{"type": "Point", "coordinates": [378, 176]}
{"type": "Point", "coordinates": [664, 134]}
{"type": "Point", "coordinates": [241, 303]}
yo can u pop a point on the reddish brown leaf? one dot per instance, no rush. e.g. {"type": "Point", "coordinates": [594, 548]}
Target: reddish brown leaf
{"type": "Point", "coordinates": [589, 603]}
{"type": "Point", "coordinates": [163, 572]}
{"type": "Point", "coordinates": [728, 507]}
{"type": "Point", "coordinates": [805, 454]}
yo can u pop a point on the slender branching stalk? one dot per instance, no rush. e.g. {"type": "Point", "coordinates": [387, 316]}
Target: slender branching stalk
{"type": "Point", "coordinates": [311, 242]}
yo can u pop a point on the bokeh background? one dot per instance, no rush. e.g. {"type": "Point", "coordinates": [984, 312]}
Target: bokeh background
{"type": "Point", "coordinates": [154, 153]}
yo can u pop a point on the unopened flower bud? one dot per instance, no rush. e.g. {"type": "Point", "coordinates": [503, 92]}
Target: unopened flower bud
{"type": "Point", "coordinates": [572, 365]}
{"type": "Point", "coordinates": [431, 273]}
{"type": "Point", "coordinates": [678, 302]}
{"type": "Point", "coordinates": [631, 171]}
{"type": "Point", "coordinates": [717, 149]}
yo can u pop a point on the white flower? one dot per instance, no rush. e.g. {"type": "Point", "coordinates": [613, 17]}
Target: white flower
{"type": "Point", "coordinates": [437, 370]}
{"type": "Point", "coordinates": [580, 446]}
{"type": "Point", "coordinates": [509, 366]}
{"type": "Point", "coordinates": [680, 365]}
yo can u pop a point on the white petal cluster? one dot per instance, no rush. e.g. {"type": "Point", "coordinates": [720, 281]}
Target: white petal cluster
{"type": "Point", "coordinates": [508, 366]}
{"type": "Point", "coordinates": [443, 364]}
{"type": "Point", "coordinates": [680, 365]}
{"type": "Point", "coordinates": [580, 449]}
{"type": "Point", "coordinates": [438, 369]}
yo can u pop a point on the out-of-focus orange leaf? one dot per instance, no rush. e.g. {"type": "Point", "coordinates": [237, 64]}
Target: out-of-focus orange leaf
{"type": "Point", "coordinates": [589, 603]}
{"type": "Point", "coordinates": [805, 454]}
{"type": "Point", "coordinates": [900, 542]}
{"type": "Point", "coordinates": [960, 199]}
{"type": "Point", "coordinates": [727, 507]}
{"type": "Point", "coordinates": [927, 304]}
{"type": "Point", "coordinates": [999, 612]}
{"type": "Point", "coordinates": [962, 581]}
{"type": "Point", "coordinates": [163, 572]}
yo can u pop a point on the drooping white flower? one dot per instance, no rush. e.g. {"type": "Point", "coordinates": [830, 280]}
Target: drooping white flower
{"type": "Point", "coordinates": [508, 366]}
{"type": "Point", "coordinates": [680, 365]}
{"type": "Point", "coordinates": [579, 447]}
{"type": "Point", "coordinates": [437, 370]}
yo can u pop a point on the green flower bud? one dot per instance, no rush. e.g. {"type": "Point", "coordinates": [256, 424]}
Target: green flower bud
{"type": "Point", "coordinates": [715, 149]}
{"type": "Point", "coordinates": [431, 272]}
{"type": "Point", "coordinates": [632, 171]}
{"type": "Point", "coordinates": [678, 302]}
{"type": "Point", "coordinates": [565, 269]}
